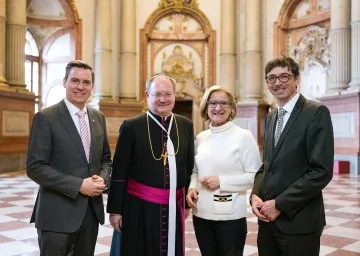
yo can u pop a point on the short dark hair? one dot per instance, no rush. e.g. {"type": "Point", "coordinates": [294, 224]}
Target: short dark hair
{"type": "Point", "coordinates": [283, 61]}
{"type": "Point", "coordinates": [152, 78]}
{"type": "Point", "coordinates": [78, 64]}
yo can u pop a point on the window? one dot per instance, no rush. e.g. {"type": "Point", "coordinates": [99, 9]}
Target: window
{"type": "Point", "coordinates": [32, 69]}
{"type": "Point", "coordinates": [57, 55]}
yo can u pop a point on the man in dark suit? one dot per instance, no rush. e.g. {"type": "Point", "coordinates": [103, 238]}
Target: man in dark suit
{"type": "Point", "coordinates": [69, 157]}
{"type": "Point", "coordinates": [297, 165]}
{"type": "Point", "coordinates": [153, 162]}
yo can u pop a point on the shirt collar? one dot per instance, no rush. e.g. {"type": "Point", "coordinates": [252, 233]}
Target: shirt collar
{"type": "Point", "coordinates": [72, 108]}
{"type": "Point", "coordinates": [289, 106]}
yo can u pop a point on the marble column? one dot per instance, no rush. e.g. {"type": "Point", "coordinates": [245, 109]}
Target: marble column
{"type": "Point", "coordinates": [3, 82]}
{"type": "Point", "coordinates": [15, 43]}
{"type": "Point", "coordinates": [340, 45]}
{"type": "Point", "coordinates": [128, 74]}
{"type": "Point", "coordinates": [355, 44]}
{"type": "Point", "coordinates": [253, 90]}
{"type": "Point", "coordinates": [252, 109]}
{"type": "Point", "coordinates": [102, 52]}
{"type": "Point", "coordinates": [227, 46]}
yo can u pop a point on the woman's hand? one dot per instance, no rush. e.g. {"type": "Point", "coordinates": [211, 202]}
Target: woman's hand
{"type": "Point", "coordinates": [210, 182]}
{"type": "Point", "coordinates": [192, 197]}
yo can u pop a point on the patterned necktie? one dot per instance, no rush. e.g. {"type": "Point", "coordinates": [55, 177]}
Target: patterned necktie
{"type": "Point", "coordinates": [279, 124]}
{"type": "Point", "coordinates": [84, 133]}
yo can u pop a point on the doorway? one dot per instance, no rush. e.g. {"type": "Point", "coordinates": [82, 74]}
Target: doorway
{"type": "Point", "coordinates": [184, 108]}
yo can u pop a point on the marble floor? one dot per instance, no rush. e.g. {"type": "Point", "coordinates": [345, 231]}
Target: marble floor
{"type": "Point", "coordinates": [17, 237]}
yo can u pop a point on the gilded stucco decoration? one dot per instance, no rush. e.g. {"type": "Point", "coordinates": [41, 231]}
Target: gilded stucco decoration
{"type": "Point", "coordinates": [177, 5]}
{"type": "Point", "coordinates": [181, 66]}
{"type": "Point", "coordinates": [180, 6]}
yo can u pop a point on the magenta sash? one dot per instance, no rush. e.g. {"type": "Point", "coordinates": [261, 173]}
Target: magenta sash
{"type": "Point", "coordinates": [159, 196]}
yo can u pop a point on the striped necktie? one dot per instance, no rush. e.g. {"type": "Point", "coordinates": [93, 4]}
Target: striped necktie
{"type": "Point", "coordinates": [279, 124]}
{"type": "Point", "coordinates": [84, 132]}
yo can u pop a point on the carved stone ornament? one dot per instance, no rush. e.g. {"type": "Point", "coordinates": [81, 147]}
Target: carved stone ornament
{"type": "Point", "coordinates": [313, 47]}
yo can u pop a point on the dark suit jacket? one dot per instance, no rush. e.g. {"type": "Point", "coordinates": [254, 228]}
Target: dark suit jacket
{"type": "Point", "coordinates": [295, 172]}
{"type": "Point", "coordinates": [56, 161]}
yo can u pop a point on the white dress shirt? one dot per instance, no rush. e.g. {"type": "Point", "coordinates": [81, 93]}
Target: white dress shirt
{"type": "Point", "coordinates": [73, 110]}
{"type": "Point", "coordinates": [289, 106]}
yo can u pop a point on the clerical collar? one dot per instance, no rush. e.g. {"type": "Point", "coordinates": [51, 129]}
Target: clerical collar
{"type": "Point", "coordinates": [159, 118]}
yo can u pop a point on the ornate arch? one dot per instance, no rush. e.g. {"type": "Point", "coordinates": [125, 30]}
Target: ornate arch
{"type": "Point", "coordinates": [150, 35]}
{"type": "Point", "coordinates": [70, 22]}
{"type": "Point", "coordinates": [302, 32]}
{"type": "Point", "coordinates": [287, 23]}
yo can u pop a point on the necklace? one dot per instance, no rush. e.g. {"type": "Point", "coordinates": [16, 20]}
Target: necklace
{"type": "Point", "coordinates": [164, 153]}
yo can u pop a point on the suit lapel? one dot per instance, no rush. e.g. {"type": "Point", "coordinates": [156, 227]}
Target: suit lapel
{"type": "Point", "coordinates": [294, 114]}
{"type": "Point", "coordinates": [271, 131]}
{"type": "Point", "coordinates": [93, 129]}
{"type": "Point", "coordinates": [68, 123]}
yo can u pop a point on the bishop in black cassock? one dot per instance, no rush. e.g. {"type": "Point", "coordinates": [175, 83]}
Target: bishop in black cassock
{"type": "Point", "coordinates": [140, 159]}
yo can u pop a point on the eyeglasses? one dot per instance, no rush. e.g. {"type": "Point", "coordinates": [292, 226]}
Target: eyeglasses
{"type": "Point", "coordinates": [284, 77]}
{"type": "Point", "coordinates": [166, 95]}
{"type": "Point", "coordinates": [214, 103]}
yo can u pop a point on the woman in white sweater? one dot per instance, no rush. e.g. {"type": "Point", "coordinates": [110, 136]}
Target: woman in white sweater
{"type": "Point", "coordinates": [226, 160]}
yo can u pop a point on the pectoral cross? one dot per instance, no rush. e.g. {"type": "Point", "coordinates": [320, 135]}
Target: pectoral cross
{"type": "Point", "coordinates": [164, 156]}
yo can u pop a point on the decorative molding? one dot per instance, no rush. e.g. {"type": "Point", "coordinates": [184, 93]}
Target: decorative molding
{"type": "Point", "coordinates": [113, 124]}
{"type": "Point", "coordinates": [344, 125]}
{"type": "Point", "coordinates": [42, 33]}
{"type": "Point", "coordinates": [15, 123]}
{"type": "Point", "coordinates": [285, 27]}
{"type": "Point", "coordinates": [154, 40]}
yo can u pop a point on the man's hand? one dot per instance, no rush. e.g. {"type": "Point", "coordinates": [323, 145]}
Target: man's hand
{"type": "Point", "coordinates": [98, 179]}
{"type": "Point", "coordinates": [116, 221]}
{"type": "Point", "coordinates": [256, 205]}
{"type": "Point", "coordinates": [210, 182]}
{"type": "Point", "coordinates": [92, 187]}
{"type": "Point", "coordinates": [269, 210]}
{"type": "Point", "coordinates": [192, 197]}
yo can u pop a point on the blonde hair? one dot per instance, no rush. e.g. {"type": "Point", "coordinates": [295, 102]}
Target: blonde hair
{"type": "Point", "coordinates": [206, 96]}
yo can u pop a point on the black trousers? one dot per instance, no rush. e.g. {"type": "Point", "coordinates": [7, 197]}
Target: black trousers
{"type": "Point", "coordinates": [272, 242]}
{"type": "Point", "coordinates": [220, 238]}
{"type": "Point", "coordinates": [80, 243]}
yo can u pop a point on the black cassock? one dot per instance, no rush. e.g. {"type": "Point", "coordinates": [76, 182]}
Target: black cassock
{"type": "Point", "coordinates": [145, 224]}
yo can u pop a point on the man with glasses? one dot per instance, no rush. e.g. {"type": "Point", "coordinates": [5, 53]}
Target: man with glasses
{"type": "Point", "coordinates": [297, 165]}
{"type": "Point", "coordinates": [152, 166]}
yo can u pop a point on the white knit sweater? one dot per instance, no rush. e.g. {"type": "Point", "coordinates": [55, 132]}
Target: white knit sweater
{"type": "Point", "coordinates": [231, 153]}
